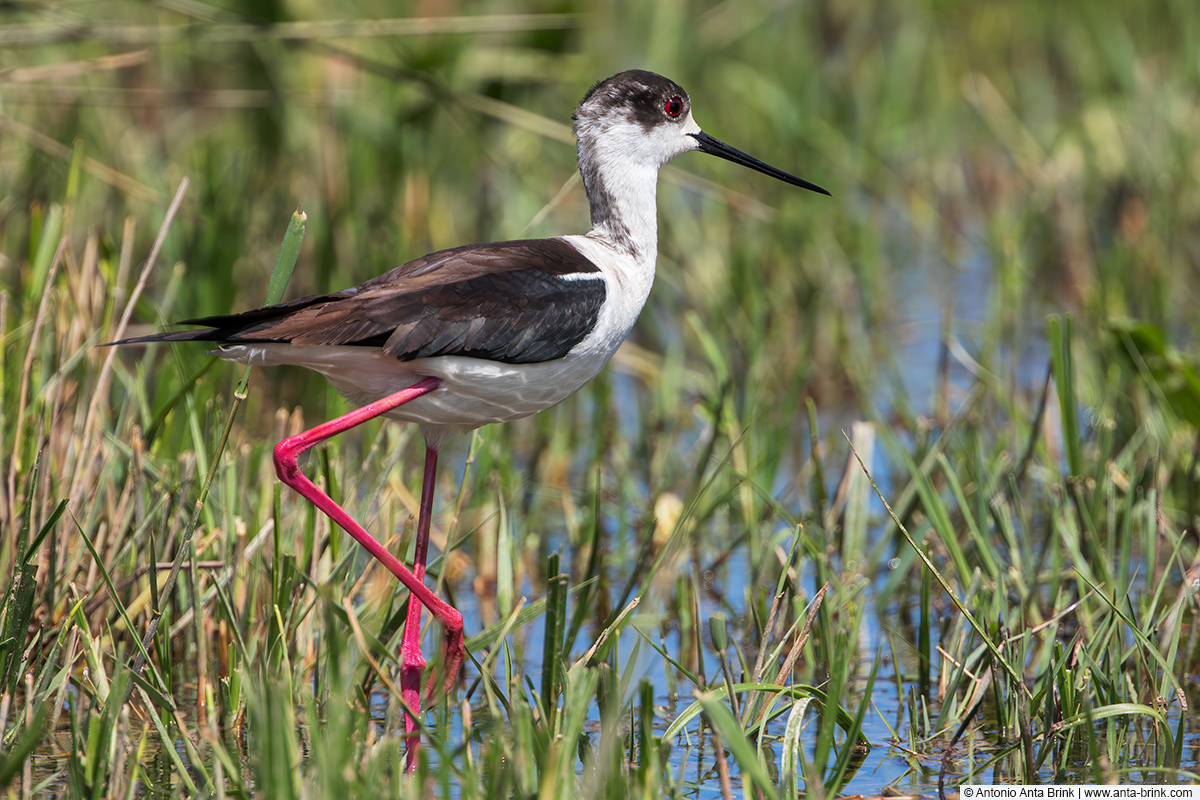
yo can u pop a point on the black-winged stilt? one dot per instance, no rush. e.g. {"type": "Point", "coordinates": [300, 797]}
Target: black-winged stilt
{"type": "Point", "coordinates": [487, 332]}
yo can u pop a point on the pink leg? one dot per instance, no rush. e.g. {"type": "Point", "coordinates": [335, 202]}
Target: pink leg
{"type": "Point", "coordinates": [412, 662]}
{"type": "Point", "coordinates": [289, 472]}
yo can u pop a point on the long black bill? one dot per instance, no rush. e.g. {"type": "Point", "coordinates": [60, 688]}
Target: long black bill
{"type": "Point", "coordinates": [715, 147]}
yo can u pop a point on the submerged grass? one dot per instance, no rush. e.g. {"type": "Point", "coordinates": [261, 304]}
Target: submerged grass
{"type": "Point", "coordinates": [677, 582]}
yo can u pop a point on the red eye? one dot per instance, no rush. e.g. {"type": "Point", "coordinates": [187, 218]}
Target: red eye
{"type": "Point", "coordinates": [673, 107]}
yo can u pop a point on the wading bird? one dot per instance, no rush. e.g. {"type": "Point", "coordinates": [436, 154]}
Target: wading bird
{"type": "Point", "coordinates": [487, 332]}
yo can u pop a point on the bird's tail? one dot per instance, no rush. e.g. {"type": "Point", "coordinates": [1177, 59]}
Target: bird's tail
{"type": "Point", "coordinates": [202, 335]}
{"type": "Point", "coordinates": [244, 327]}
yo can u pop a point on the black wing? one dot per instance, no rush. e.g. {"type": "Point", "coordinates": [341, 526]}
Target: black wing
{"type": "Point", "coordinates": [516, 302]}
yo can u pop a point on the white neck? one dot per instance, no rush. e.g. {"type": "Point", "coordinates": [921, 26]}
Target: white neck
{"type": "Point", "coordinates": [622, 194]}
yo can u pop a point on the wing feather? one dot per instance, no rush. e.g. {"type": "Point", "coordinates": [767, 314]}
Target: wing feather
{"type": "Point", "coordinates": [518, 302]}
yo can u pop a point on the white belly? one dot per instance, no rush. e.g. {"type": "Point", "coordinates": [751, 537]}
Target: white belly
{"type": "Point", "coordinates": [474, 391]}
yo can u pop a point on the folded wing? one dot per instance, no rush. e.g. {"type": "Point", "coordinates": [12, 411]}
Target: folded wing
{"type": "Point", "coordinates": [517, 302]}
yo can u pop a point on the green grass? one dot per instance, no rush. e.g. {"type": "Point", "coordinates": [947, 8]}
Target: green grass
{"type": "Point", "coordinates": [996, 308]}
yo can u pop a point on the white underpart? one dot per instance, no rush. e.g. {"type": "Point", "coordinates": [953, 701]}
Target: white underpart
{"type": "Point", "coordinates": [476, 392]}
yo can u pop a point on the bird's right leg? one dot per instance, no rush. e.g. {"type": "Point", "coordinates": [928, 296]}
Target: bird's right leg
{"type": "Point", "coordinates": [412, 661]}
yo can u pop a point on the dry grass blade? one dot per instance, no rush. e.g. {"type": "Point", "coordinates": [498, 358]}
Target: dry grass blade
{"type": "Point", "coordinates": [608, 631]}
{"type": "Point", "coordinates": [71, 69]}
{"type": "Point", "coordinates": [757, 673]}
{"type": "Point", "coordinates": [519, 117]}
{"type": "Point", "coordinates": [722, 766]}
{"type": "Point", "coordinates": [802, 638]}
{"type": "Point", "coordinates": [27, 370]}
{"type": "Point", "coordinates": [101, 391]}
